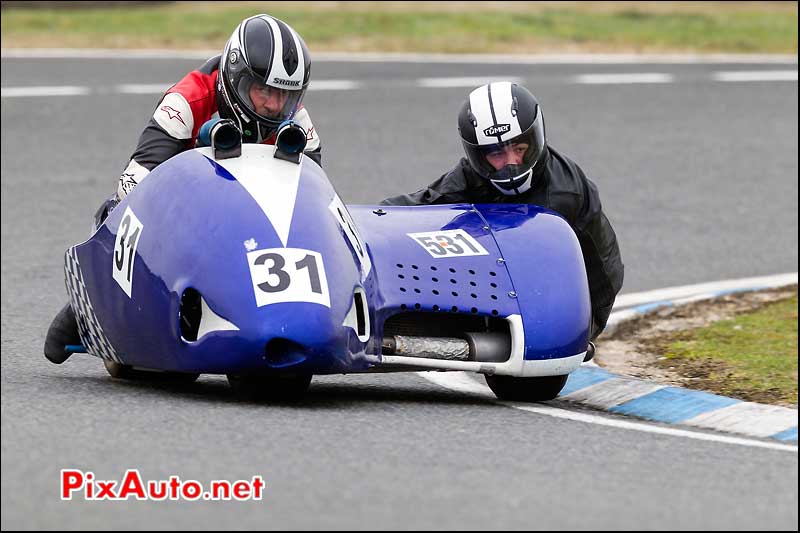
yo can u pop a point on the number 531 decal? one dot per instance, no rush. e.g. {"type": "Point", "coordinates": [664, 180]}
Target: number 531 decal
{"type": "Point", "coordinates": [449, 243]}
{"type": "Point", "coordinates": [288, 275]}
{"type": "Point", "coordinates": [128, 233]}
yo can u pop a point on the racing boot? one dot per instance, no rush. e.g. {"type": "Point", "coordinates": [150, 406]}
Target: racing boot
{"type": "Point", "coordinates": [589, 352]}
{"type": "Point", "coordinates": [63, 331]}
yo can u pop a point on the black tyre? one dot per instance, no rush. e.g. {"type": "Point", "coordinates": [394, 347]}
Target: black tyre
{"type": "Point", "coordinates": [290, 387]}
{"type": "Point", "coordinates": [538, 389]}
{"type": "Point", "coordinates": [120, 371]}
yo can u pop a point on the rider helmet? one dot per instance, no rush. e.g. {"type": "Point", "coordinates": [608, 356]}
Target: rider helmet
{"type": "Point", "coordinates": [503, 116]}
{"type": "Point", "coordinates": [264, 56]}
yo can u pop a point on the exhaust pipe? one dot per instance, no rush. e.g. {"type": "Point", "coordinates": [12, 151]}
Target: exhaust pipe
{"type": "Point", "coordinates": [476, 346]}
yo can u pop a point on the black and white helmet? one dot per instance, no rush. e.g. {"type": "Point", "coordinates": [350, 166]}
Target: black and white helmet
{"type": "Point", "coordinates": [266, 52]}
{"type": "Point", "coordinates": [503, 116]}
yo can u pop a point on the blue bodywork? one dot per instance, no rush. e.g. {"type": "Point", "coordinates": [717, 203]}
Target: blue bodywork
{"type": "Point", "coordinates": [199, 223]}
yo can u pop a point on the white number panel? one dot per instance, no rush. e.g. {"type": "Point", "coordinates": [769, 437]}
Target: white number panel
{"type": "Point", "coordinates": [450, 243]}
{"type": "Point", "coordinates": [129, 233]}
{"type": "Point", "coordinates": [288, 275]}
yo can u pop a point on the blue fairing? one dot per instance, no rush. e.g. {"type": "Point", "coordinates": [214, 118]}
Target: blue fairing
{"type": "Point", "coordinates": [541, 275]}
{"type": "Point", "coordinates": [221, 228]}
{"type": "Point", "coordinates": [197, 218]}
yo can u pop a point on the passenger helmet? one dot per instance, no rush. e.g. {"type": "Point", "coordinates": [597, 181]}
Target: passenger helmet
{"type": "Point", "coordinates": [266, 52]}
{"type": "Point", "coordinates": [495, 117]}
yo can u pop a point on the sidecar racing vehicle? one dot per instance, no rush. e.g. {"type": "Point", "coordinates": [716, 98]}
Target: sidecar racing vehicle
{"type": "Point", "coordinates": [242, 260]}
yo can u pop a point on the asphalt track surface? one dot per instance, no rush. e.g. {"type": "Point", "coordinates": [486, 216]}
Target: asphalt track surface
{"type": "Point", "coordinates": [698, 177]}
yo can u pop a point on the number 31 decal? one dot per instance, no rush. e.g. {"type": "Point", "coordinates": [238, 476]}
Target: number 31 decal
{"type": "Point", "coordinates": [450, 243]}
{"type": "Point", "coordinates": [288, 275]}
{"type": "Point", "coordinates": [128, 234]}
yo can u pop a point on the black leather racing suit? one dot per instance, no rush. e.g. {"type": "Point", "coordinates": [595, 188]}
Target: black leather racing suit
{"type": "Point", "coordinates": [559, 184]}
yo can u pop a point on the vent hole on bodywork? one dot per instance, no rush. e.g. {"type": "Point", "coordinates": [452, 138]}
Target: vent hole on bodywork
{"type": "Point", "coordinates": [472, 272]}
{"type": "Point", "coordinates": [417, 291]}
{"type": "Point", "coordinates": [434, 268]}
{"type": "Point", "coordinates": [474, 310]}
{"type": "Point", "coordinates": [435, 307]}
{"type": "Point", "coordinates": [453, 270]}
{"type": "Point", "coordinates": [416, 278]}
{"type": "Point", "coordinates": [492, 273]}
{"type": "Point", "coordinates": [453, 281]}
{"type": "Point", "coordinates": [417, 306]}
{"type": "Point", "coordinates": [454, 293]}
{"type": "Point", "coordinates": [494, 312]}
{"type": "Point", "coordinates": [494, 297]}
{"type": "Point", "coordinates": [402, 289]}
{"type": "Point", "coordinates": [191, 311]}
{"type": "Point", "coordinates": [473, 284]}
{"type": "Point", "coordinates": [361, 314]}
{"type": "Point", "coordinates": [401, 276]}
{"type": "Point", "coordinates": [493, 285]}
{"type": "Point", "coordinates": [454, 309]}
{"type": "Point", "coordinates": [435, 280]}
{"type": "Point", "coordinates": [399, 265]}
{"type": "Point", "coordinates": [434, 291]}
{"type": "Point", "coordinates": [283, 352]}
{"type": "Point", "coordinates": [474, 295]}
{"type": "Point", "coordinates": [415, 267]}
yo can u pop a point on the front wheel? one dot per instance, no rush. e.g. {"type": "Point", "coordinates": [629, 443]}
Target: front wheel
{"type": "Point", "coordinates": [537, 389]}
{"type": "Point", "coordinates": [120, 371]}
{"type": "Point", "coordinates": [289, 387]}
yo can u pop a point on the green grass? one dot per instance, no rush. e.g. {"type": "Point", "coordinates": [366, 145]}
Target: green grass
{"type": "Point", "coordinates": [519, 28]}
{"type": "Point", "coordinates": [753, 356]}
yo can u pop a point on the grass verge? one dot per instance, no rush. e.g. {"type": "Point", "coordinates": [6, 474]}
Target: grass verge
{"type": "Point", "coordinates": [752, 356]}
{"type": "Point", "coordinates": [448, 27]}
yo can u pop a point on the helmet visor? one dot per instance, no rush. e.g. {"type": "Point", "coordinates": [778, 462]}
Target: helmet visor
{"type": "Point", "coordinates": [271, 104]}
{"type": "Point", "coordinates": [509, 159]}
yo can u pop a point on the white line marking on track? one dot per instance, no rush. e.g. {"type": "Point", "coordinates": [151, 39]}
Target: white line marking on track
{"type": "Point", "coordinates": [68, 90]}
{"type": "Point", "coordinates": [333, 85]}
{"type": "Point", "coordinates": [459, 381]}
{"type": "Point", "coordinates": [470, 81]}
{"type": "Point", "coordinates": [756, 75]}
{"type": "Point", "coordinates": [142, 88]}
{"type": "Point", "coordinates": [638, 77]}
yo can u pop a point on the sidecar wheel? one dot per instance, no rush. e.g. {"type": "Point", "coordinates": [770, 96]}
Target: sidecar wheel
{"type": "Point", "coordinates": [538, 389]}
{"type": "Point", "coordinates": [120, 371]}
{"type": "Point", "coordinates": [282, 388]}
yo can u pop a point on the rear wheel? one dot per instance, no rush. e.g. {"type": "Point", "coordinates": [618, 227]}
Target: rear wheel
{"type": "Point", "coordinates": [289, 387]}
{"type": "Point", "coordinates": [537, 389]}
{"type": "Point", "coordinates": [120, 371]}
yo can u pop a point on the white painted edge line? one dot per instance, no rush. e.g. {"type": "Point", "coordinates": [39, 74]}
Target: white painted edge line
{"type": "Point", "coordinates": [22, 92]}
{"type": "Point", "coordinates": [143, 88]}
{"type": "Point", "coordinates": [460, 382]}
{"type": "Point", "coordinates": [639, 77]}
{"type": "Point", "coordinates": [105, 53]}
{"type": "Point", "coordinates": [756, 75]}
{"type": "Point", "coordinates": [333, 85]}
{"type": "Point", "coordinates": [685, 291]}
{"type": "Point", "coordinates": [469, 81]}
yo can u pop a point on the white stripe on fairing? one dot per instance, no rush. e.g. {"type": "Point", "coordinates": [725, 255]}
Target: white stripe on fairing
{"type": "Point", "coordinates": [647, 77]}
{"type": "Point", "coordinates": [11, 92]}
{"type": "Point", "coordinates": [272, 182]}
{"type": "Point", "coordinates": [756, 75]}
{"type": "Point", "coordinates": [684, 291]}
{"type": "Point", "coordinates": [463, 81]}
{"type": "Point", "coordinates": [142, 88]}
{"type": "Point", "coordinates": [460, 382]}
{"type": "Point", "coordinates": [333, 85]}
{"type": "Point", "coordinates": [747, 417]}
